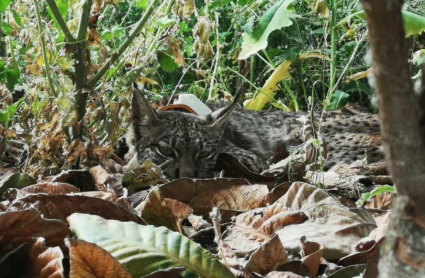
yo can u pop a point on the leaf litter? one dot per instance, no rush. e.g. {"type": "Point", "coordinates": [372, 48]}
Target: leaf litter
{"type": "Point", "coordinates": [267, 224]}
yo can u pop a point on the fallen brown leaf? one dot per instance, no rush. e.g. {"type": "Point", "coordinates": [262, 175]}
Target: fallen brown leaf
{"type": "Point", "coordinates": [89, 260]}
{"type": "Point", "coordinates": [62, 206]}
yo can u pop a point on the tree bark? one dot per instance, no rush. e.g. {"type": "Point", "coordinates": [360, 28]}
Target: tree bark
{"type": "Point", "coordinates": [403, 135]}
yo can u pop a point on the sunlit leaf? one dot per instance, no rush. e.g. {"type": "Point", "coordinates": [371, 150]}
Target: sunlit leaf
{"type": "Point", "coordinates": [142, 4]}
{"type": "Point", "coordinates": [89, 260]}
{"type": "Point", "coordinates": [413, 23]}
{"type": "Point", "coordinates": [267, 92]}
{"type": "Point", "coordinates": [275, 18]}
{"type": "Point", "coordinates": [154, 248]}
{"type": "Point", "coordinates": [4, 4]}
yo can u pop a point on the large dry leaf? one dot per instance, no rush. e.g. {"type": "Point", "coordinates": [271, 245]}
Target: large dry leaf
{"type": "Point", "coordinates": [235, 198]}
{"type": "Point", "coordinates": [253, 228]}
{"type": "Point", "coordinates": [61, 206]}
{"type": "Point", "coordinates": [382, 201]}
{"type": "Point", "coordinates": [145, 249]}
{"type": "Point", "coordinates": [185, 189]}
{"type": "Point", "coordinates": [45, 262]}
{"type": "Point", "coordinates": [103, 178]}
{"type": "Point", "coordinates": [89, 260]}
{"type": "Point", "coordinates": [267, 257]}
{"type": "Point", "coordinates": [46, 187]}
{"type": "Point", "coordinates": [311, 256]}
{"type": "Point", "coordinates": [361, 257]}
{"type": "Point", "coordinates": [330, 224]}
{"type": "Point", "coordinates": [17, 227]}
{"type": "Point", "coordinates": [154, 211]}
{"type": "Point", "coordinates": [179, 209]}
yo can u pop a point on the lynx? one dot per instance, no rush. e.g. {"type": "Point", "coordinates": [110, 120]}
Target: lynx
{"type": "Point", "coordinates": [188, 145]}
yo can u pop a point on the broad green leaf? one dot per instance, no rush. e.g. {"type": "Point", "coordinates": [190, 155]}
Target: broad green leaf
{"type": "Point", "coordinates": [338, 100]}
{"type": "Point", "coordinates": [413, 23]}
{"type": "Point", "coordinates": [146, 249]}
{"type": "Point", "coordinates": [4, 4]}
{"type": "Point", "coordinates": [275, 18]}
{"type": "Point", "coordinates": [267, 92]}
{"type": "Point", "coordinates": [17, 18]}
{"type": "Point", "coordinates": [6, 28]}
{"type": "Point", "coordinates": [167, 62]}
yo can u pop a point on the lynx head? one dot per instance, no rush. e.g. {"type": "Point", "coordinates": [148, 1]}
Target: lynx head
{"type": "Point", "coordinates": [188, 142]}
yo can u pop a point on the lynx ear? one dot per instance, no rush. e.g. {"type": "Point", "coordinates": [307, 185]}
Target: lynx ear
{"type": "Point", "coordinates": [220, 117]}
{"type": "Point", "coordinates": [142, 112]}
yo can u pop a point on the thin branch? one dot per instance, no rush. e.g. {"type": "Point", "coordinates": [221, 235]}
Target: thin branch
{"type": "Point", "coordinates": [124, 45]}
{"type": "Point", "coordinates": [60, 21]}
{"type": "Point", "coordinates": [84, 21]}
{"type": "Point", "coordinates": [43, 48]}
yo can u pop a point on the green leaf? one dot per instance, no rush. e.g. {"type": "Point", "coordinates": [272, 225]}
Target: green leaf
{"type": "Point", "coordinates": [4, 4]}
{"type": "Point", "coordinates": [167, 62]}
{"type": "Point", "coordinates": [218, 3]}
{"type": "Point", "coordinates": [5, 115]}
{"type": "Point", "coordinates": [107, 35]}
{"type": "Point", "coordinates": [63, 10]}
{"type": "Point", "coordinates": [413, 23]}
{"type": "Point", "coordinates": [118, 32]}
{"type": "Point", "coordinates": [17, 18]}
{"type": "Point", "coordinates": [291, 53]}
{"type": "Point", "coordinates": [382, 189]}
{"type": "Point", "coordinates": [146, 249]}
{"type": "Point", "coordinates": [275, 18]}
{"type": "Point", "coordinates": [9, 76]}
{"type": "Point", "coordinates": [62, 7]}
{"type": "Point", "coordinates": [6, 28]}
{"type": "Point", "coordinates": [338, 100]}
{"type": "Point", "coordinates": [143, 4]}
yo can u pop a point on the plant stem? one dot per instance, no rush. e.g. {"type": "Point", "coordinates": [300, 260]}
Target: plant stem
{"type": "Point", "coordinates": [80, 60]}
{"type": "Point", "coordinates": [124, 45]}
{"type": "Point", "coordinates": [60, 21]}
{"type": "Point", "coordinates": [43, 49]}
{"type": "Point", "coordinates": [333, 49]}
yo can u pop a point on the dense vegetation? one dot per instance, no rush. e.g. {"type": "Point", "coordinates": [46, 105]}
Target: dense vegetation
{"type": "Point", "coordinates": [66, 66]}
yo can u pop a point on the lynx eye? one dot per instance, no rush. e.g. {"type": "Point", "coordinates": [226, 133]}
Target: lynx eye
{"type": "Point", "coordinates": [204, 155]}
{"type": "Point", "coordinates": [164, 151]}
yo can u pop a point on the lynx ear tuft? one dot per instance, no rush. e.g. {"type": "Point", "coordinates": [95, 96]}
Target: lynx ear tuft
{"type": "Point", "coordinates": [142, 112]}
{"type": "Point", "coordinates": [220, 117]}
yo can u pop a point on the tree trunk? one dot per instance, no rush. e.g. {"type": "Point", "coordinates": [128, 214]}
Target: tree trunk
{"type": "Point", "coordinates": [403, 135]}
